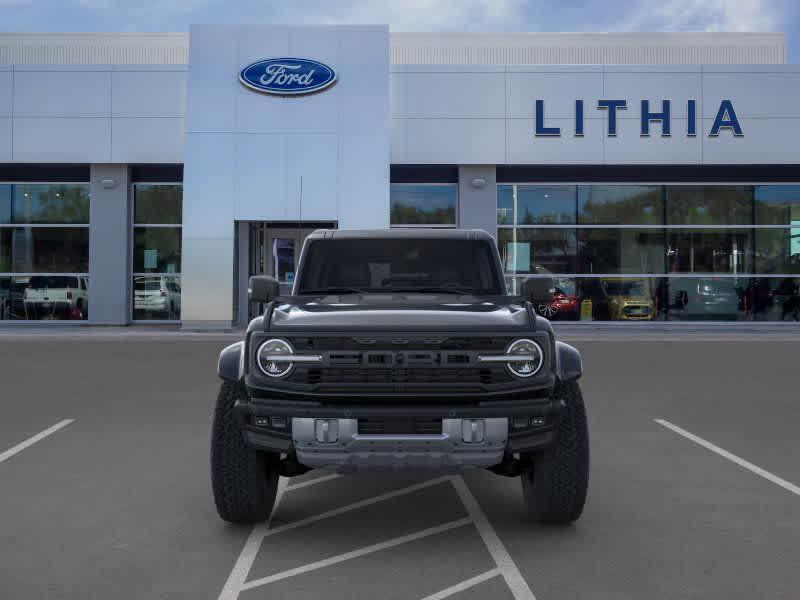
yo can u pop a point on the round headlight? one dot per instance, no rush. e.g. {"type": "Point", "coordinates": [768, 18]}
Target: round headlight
{"type": "Point", "coordinates": [267, 362]}
{"type": "Point", "coordinates": [530, 359]}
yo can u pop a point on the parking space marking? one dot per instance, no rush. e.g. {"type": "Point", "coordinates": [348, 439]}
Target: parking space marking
{"type": "Point", "coordinates": [788, 486]}
{"type": "Point", "coordinates": [508, 568]}
{"type": "Point", "coordinates": [241, 569]}
{"type": "Point", "coordinates": [248, 554]}
{"type": "Point", "coordinates": [356, 505]}
{"type": "Point", "coordinates": [505, 565]}
{"type": "Point", "coordinates": [321, 564]}
{"type": "Point", "coordinates": [464, 585]}
{"type": "Point", "coordinates": [33, 439]}
{"type": "Point", "coordinates": [283, 485]}
{"type": "Point", "coordinates": [315, 481]}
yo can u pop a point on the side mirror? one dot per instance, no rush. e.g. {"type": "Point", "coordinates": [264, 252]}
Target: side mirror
{"type": "Point", "coordinates": [538, 290]}
{"type": "Point", "coordinates": [262, 288]}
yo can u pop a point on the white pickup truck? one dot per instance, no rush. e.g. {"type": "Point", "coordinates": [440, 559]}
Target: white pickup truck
{"type": "Point", "coordinates": [56, 296]}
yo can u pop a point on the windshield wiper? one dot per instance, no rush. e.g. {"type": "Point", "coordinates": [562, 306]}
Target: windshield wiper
{"type": "Point", "coordinates": [335, 290]}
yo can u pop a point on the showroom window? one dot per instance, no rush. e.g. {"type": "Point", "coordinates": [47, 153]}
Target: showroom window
{"type": "Point", "coordinates": [645, 252]}
{"type": "Point", "coordinates": [535, 204]}
{"type": "Point", "coordinates": [44, 251]}
{"type": "Point", "coordinates": [423, 204]}
{"type": "Point", "coordinates": [157, 214]}
{"type": "Point", "coordinates": [614, 204]}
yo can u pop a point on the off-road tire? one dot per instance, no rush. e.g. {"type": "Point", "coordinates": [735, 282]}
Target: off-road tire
{"type": "Point", "coordinates": [244, 480]}
{"type": "Point", "coordinates": [555, 484]}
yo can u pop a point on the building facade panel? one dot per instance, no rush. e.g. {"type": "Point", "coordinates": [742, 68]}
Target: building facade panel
{"type": "Point", "coordinates": [62, 139]}
{"type": "Point", "coordinates": [363, 198]}
{"type": "Point", "coordinates": [567, 148]}
{"type": "Point", "coordinates": [6, 91]}
{"type": "Point", "coordinates": [466, 95]}
{"type": "Point", "coordinates": [79, 93]}
{"type": "Point", "coordinates": [6, 137]}
{"type": "Point", "coordinates": [628, 147]}
{"type": "Point", "coordinates": [766, 94]}
{"type": "Point", "coordinates": [209, 174]}
{"type": "Point", "coordinates": [207, 284]}
{"type": "Point", "coordinates": [454, 141]}
{"type": "Point", "coordinates": [311, 176]}
{"type": "Point", "coordinates": [209, 90]}
{"type": "Point", "coordinates": [655, 86]}
{"type": "Point", "coordinates": [265, 154]}
{"type": "Point", "coordinates": [147, 140]}
{"type": "Point", "coordinates": [764, 141]}
{"type": "Point", "coordinates": [148, 93]}
{"type": "Point", "coordinates": [557, 90]}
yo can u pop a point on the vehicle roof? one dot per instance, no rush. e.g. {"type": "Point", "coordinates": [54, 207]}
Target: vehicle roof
{"type": "Point", "coordinates": [401, 233]}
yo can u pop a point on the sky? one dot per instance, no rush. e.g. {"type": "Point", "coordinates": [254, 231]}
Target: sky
{"type": "Point", "coordinates": [414, 15]}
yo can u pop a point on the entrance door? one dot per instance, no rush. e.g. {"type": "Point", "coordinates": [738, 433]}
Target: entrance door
{"type": "Point", "coordinates": [275, 250]}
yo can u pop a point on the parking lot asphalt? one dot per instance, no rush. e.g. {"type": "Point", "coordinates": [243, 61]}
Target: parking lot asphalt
{"type": "Point", "coordinates": [104, 485]}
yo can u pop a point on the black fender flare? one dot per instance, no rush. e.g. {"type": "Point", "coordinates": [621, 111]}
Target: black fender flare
{"type": "Point", "coordinates": [230, 365]}
{"type": "Point", "coordinates": [568, 362]}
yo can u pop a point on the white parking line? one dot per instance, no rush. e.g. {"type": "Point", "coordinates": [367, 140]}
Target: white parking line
{"type": "Point", "coordinates": [464, 585]}
{"type": "Point", "coordinates": [283, 485]}
{"type": "Point", "coordinates": [321, 564]}
{"type": "Point", "coordinates": [33, 439]}
{"type": "Point", "coordinates": [790, 487]}
{"type": "Point", "coordinates": [356, 505]}
{"type": "Point", "coordinates": [506, 565]}
{"type": "Point", "coordinates": [248, 554]}
{"type": "Point", "coordinates": [236, 580]}
{"type": "Point", "coordinates": [315, 481]}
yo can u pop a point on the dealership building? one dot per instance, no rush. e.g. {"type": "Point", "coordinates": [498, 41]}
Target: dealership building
{"type": "Point", "coordinates": [145, 177]}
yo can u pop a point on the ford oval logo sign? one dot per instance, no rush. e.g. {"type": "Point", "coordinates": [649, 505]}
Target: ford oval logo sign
{"type": "Point", "coordinates": [287, 76]}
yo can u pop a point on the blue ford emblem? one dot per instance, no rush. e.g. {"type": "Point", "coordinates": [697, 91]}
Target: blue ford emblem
{"type": "Point", "coordinates": [287, 76]}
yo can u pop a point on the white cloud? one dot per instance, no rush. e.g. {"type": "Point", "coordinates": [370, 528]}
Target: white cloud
{"type": "Point", "coordinates": [415, 15]}
{"type": "Point", "coordinates": [705, 15]}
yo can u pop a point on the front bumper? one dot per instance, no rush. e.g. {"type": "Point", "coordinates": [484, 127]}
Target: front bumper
{"type": "Point", "coordinates": [441, 451]}
{"type": "Point", "coordinates": [636, 312]}
{"type": "Point", "coordinates": [353, 451]}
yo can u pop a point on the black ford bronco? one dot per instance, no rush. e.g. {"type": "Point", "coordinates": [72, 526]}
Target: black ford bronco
{"type": "Point", "coordinates": [399, 349]}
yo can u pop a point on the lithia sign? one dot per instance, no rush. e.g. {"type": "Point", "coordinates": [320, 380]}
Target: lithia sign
{"type": "Point", "coordinates": [725, 120]}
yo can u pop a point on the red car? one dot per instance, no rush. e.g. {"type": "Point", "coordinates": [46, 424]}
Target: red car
{"type": "Point", "coordinates": [564, 304]}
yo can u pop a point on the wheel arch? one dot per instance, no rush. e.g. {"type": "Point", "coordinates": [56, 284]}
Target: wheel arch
{"type": "Point", "coordinates": [230, 365]}
{"type": "Point", "coordinates": [569, 365]}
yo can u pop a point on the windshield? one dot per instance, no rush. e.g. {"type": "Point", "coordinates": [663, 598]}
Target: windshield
{"type": "Point", "coordinates": [626, 288]}
{"type": "Point", "coordinates": [56, 281]}
{"type": "Point", "coordinates": [710, 287]}
{"type": "Point", "coordinates": [148, 284]}
{"type": "Point", "coordinates": [564, 286]}
{"type": "Point", "coordinates": [400, 265]}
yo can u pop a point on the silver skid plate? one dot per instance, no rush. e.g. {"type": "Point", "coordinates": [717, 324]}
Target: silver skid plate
{"type": "Point", "coordinates": [352, 451]}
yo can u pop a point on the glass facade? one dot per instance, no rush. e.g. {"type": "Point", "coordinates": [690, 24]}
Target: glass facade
{"type": "Point", "coordinates": [424, 204]}
{"type": "Point", "coordinates": [156, 262]}
{"type": "Point", "coordinates": [44, 251]}
{"type": "Point", "coordinates": [655, 252]}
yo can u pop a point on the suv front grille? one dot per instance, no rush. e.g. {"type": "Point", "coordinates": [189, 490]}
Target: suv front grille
{"type": "Point", "coordinates": [415, 375]}
{"type": "Point", "coordinates": [398, 363]}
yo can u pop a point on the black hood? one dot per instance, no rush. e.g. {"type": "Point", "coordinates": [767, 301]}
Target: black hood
{"type": "Point", "coordinates": [399, 311]}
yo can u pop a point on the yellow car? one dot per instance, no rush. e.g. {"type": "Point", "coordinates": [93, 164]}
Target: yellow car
{"type": "Point", "coordinates": [628, 299]}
